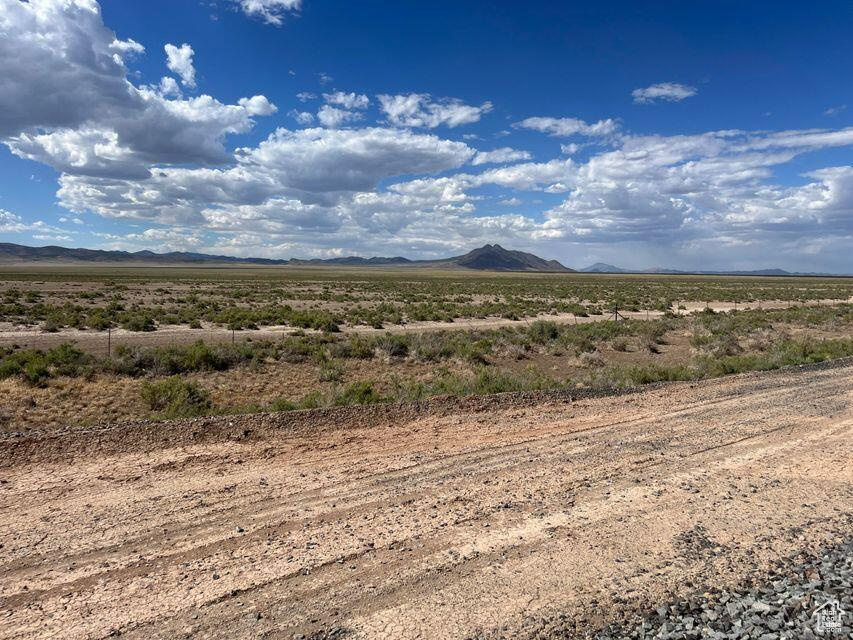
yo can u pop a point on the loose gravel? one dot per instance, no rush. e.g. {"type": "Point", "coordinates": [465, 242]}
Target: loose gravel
{"type": "Point", "coordinates": [781, 606]}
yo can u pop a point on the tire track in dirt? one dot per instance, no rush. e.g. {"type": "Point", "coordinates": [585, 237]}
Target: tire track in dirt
{"type": "Point", "coordinates": [386, 534]}
{"type": "Point", "coordinates": [416, 473]}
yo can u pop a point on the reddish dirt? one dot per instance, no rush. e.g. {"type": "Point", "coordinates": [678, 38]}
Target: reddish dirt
{"type": "Point", "coordinates": [439, 520]}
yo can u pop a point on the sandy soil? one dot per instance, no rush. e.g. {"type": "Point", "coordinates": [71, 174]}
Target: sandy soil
{"type": "Point", "coordinates": [427, 521]}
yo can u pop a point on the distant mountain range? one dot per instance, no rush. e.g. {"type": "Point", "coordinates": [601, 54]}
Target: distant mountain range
{"type": "Point", "coordinates": [601, 267]}
{"type": "Point", "coordinates": [491, 257]}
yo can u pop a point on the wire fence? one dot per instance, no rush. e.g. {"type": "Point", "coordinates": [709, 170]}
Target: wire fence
{"type": "Point", "coordinates": [106, 342]}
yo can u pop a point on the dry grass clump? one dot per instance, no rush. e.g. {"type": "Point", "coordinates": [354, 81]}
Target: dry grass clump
{"type": "Point", "coordinates": [619, 344]}
{"type": "Point", "coordinates": [592, 359]}
{"type": "Point", "coordinates": [175, 397]}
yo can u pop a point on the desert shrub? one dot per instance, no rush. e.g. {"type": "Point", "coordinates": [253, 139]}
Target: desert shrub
{"type": "Point", "coordinates": [651, 331]}
{"type": "Point", "coordinates": [51, 325]}
{"type": "Point", "coordinates": [67, 360]}
{"type": "Point", "coordinates": [592, 359]}
{"type": "Point", "coordinates": [780, 354]}
{"type": "Point", "coordinates": [282, 404]}
{"type": "Point", "coordinates": [488, 380]}
{"type": "Point", "coordinates": [432, 346]}
{"type": "Point", "coordinates": [620, 344]}
{"type": "Point", "coordinates": [393, 345]}
{"type": "Point", "coordinates": [633, 375]}
{"type": "Point", "coordinates": [35, 366]}
{"type": "Point", "coordinates": [474, 351]}
{"type": "Point", "coordinates": [762, 340]}
{"type": "Point", "coordinates": [320, 320]}
{"type": "Point", "coordinates": [360, 348]}
{"type": "Point", "coordinates": [312, 400]}
{"type": "Point", "coordinates": [357, 347]}
{"type": "Point", "coordinates": [485, 380]}
{"type": "Point", "coordinates": [99, 321]}
{"type": "Point", "coordinates": [175, 397]}
{"type": "Point", "coordinates": [331, 371]}
{"type": "Point", "coordinates": [35, 372]}
{"type": "Point", "coordinates": [725, 345]}
{"type": "Point", "coordinates": [138, 322]}
{"type": "Point", "coordinates": [296, 349]}
{"type": "Point", "coordinates": [543, 331]}
{"type": "Point", "coordinates": [717, 344]}
{"type": "Point", "coordinates": [644, 374]}
{"type": "Point", "coordinates": [577, 343]}
{"type": "Point", "coordinates": [9, 367]}
{"type": "Point", "coordinates": [470, 346]}
{"type": "Point", "coordinates": [361, 392]}
{"type": "Point", "coordinates": [198, 356]}
{"type": "Point", "coordinates": [515, 351]}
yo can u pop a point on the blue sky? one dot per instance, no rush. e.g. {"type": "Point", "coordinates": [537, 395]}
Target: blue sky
{"type": "Point", "coordinates": [693, 135]}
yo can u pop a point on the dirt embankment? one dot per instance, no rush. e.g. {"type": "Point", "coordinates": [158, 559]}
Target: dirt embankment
{"type": "Point", "coordinates": [438, 520]}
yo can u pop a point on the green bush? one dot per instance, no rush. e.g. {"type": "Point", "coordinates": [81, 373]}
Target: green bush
{"type": "Point", "coordinates": [543, 331]}
{"type": "Point", "coordinates": [35, 366]}
{"type": "Point", "coordinates": [35, 372]}
{"type": "Point", "coordinates": [359, 347]}
{"type": "Point", "coordinates": [139, 323]}
{"type": "Point", "coordinates": [282, 404]}
{"type": "Point", "coordinates": [51, 325]}
{"type": "Point", "coordinates": [485, 380]}
{"type": "Point", "coordinates": [395, 345]}
{"type": "Point", "coordinates": [312, 400]}
{"type": "Point", "coordinates": [361, 392]}
{"type": "Point", "coordinates": [99, 321]}
{"type": "Point", "coordinates": [175, 397]}
{"type": "Point", "coordinates": [331, 371]}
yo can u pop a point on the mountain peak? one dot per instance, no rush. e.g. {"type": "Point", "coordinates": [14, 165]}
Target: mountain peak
{"type": "Point", "coordinates": [494, 257]}
{"type": "Point", "coordinates": [602, 267]}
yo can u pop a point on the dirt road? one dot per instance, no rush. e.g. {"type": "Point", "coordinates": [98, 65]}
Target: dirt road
{"type": "Point", "coordinates": [494, 515]}
{"type": "Point", "coordinates": [98, 342]}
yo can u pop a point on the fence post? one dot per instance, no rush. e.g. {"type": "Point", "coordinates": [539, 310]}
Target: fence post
{"type": "Point", "coordinates": [109, 341]}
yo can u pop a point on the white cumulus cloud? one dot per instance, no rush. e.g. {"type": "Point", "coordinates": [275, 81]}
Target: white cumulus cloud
{"type": "Point", "coordinates": [565, 127]}
{"type": "Point", "coordinates": [257, 106]}
{"type": "Point", "coordinates": [422, 110]}
{"type": "Point", "coordinates": [81, 114]}
{"type": "Point", "coordinates": [333, 117]}
{"type": "Point", "coordinates": [665, 91]}
{"type": "Point", "coordinates": [347, 100]}
{"type": "Point", "coordinates": [180, 61]}
{"type": "Point", "coordinates": [270, 11]}
{"type": "Point", "coordinates": [500, 156]}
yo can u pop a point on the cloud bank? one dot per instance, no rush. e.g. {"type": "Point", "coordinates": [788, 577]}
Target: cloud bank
{"type": "Point", "coordinates": [393, 173]}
